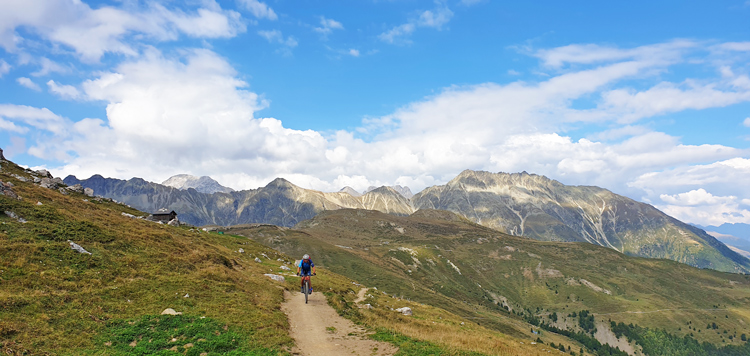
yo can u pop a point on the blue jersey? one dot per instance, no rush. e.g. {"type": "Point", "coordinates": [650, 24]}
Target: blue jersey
{"type": "Point", "coordinates": [306, 266]}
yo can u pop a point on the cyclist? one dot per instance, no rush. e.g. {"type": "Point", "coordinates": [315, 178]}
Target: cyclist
{"type": "Point", "coordinates": [306, 267]}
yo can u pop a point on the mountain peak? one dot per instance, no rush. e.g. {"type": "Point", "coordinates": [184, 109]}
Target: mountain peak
{"type": "Point", "coordinates": [350, 191]}
{"type": "Point", "coordinates": [204, 184]}
{"type": "Point", "coordinates": [403, 191]}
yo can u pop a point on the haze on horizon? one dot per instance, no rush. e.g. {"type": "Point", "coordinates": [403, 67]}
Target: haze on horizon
{"type": "Point", "coordinates": [651, 101]}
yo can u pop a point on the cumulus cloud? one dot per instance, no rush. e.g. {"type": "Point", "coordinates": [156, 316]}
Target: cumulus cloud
{"type": "Point", "coordinates": [354, 52]}
{"type": "Point", "coordinates": [259, 9]}
{"type": "Point", "coordinates": [67, 92]}
{"type": "Point", "coordinates": [701, 207]}
{"type": "Point", "coordinates": [93, 32]}
{"type": "Point", "coordinates": [276, 37]}
{"type": "Point", "coordinates": [18, 118]}
{"type": "Point", "coordinates": [746, 122]}
{"type": "Point", "coordinates": [434, 18]}
{"type": "Point", "coordinates": [26, 82]}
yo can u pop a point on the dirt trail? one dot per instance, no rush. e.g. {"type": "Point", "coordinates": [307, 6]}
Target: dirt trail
{"type": "Point", "coordinates": [361, 295]}
{"type": "Point", "coordinates": [320, 331]}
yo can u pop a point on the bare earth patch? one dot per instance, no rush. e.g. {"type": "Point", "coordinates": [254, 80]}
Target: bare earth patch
{"type": "Point", "coordinates": [319, 331]}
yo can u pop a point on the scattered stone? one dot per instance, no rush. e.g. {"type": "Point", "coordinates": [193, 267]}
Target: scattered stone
{"type": "Point", "coordinates": [258, 260]}
{"type": "Point", "coordinates": [275, 277]}
{"type": "Point", "coordinates": [186, 295]}
{"type": "Point", "coordinates": [367, 306]}
{"type": "Point", "coordinates": [170, 311]}
{"type": "Point", "coordinates": [128, 215]}
{"type": "Point", "coordinates": [174, 222]}
{"type": "Point", "coordinates": [62, 191]}
{"type": "Point", "coordinates": [241, 250]}
{"type": "Point", "coordinates": [39, 203]}
{"type": "Point", "coordinates": [404, 310]}
{"type": "Point", "coordinates": [78, 247]}
{"type": "Point", "coordinates": [6, 189]}
{"type": "Point", "coordinates": [88, 191]}
{"type": "Point", "coordinates": [13, 215]}
{"type": "Point", "coordinates": [285, 268]}
{"type": "Point", "coordinates": [2, 158]}
{"type": "Point", "coordinates": [76, 188]}
{"type": "Point", "coordinates": [21, 178]}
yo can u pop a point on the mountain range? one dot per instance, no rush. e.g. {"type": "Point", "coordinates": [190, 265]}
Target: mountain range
{"type": "Point", "coordinates": [519, 204]}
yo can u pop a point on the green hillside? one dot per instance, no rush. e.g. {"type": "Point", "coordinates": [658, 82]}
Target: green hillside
{"type": "Point", "coordinates": [438, 258]}
{"type": "Point", "coordinates": [56, 301]}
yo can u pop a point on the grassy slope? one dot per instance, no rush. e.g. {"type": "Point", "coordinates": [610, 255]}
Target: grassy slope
{"type": "Point", "coordinates": [56, 301]}
{"type": "Point", "coordinates": [529, 274]}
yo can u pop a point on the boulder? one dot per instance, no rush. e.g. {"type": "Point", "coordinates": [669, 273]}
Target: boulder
{"type": "Point", "coordinates": [404, 310]}
{"type": "Point", "coordinates": [51, 183]}
{"type": "Point", "coordinates": [6, 189]}
{"type": "Point", "coordinates": [174, 222]}
{"type": "Point", "coordinates": [88, 191]}
{"type": "Point", "coordinates": [76, 188]}
{"type": "Point", "coordinates": [2, 158]}
{"type": "Point", "coordinates": [275, 277]}
{"type": "Point", "coordinates": [258, 260]}
{"type": "Point", "coordinates": [241, 250]}
{"type": "Point", "coordinates": [44, 173]}
{"type": "Point", "coordinates": [285, 268]}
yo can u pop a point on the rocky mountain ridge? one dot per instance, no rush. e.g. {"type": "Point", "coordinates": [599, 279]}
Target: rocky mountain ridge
{"type": "Point", "coordinates": [204, 184]}
{"type": "Point", "coordinates": [519, 204]}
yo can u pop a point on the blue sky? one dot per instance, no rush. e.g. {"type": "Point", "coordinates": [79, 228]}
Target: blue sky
{"type": "Point", "coordinates": [649, 100]}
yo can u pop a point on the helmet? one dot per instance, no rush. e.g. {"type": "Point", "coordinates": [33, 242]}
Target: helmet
{"type": "Point", "coordinates": [306, 257]}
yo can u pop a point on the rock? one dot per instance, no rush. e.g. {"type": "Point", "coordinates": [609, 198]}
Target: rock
{"type": "Point", "coordinates": [170, 311]}
{"type": "Point", "coordinates": [78, 247]}
{"type": "Point", "coordinates": [186, 295]}
{"type": "Point", "coordinates": [44, 173]}
{"type": "Point", "coordinates": [21, 178]}
{"type": "Point", "coordinates": [76, 188]}
{"type": "Point", "coordinates": [50, 183]}
{"type": "Point", "coordinates": [404, 310]}
{"type": "Point", "coordinates": [88, 191]}
{"type": "Point", "coordinates": [128, 215]}
{"type": "Point", "coordinates": [2, 158]}
{"type": "Point", "coordinates": [275, 277]}
{"type": "Point", "coordinates": [62, 191]}
{"type": "Point", "coordinates": [285, 268]}
{"type": "Point", "coordinates": [6, 189]}
{"type": "Point", "coordinates": [367, 306]}
{"type": "Point", "coordinates": [258, 260]}
{"type": "Point", "coordinates": [13, 215]}
{"type": "Point", "coordinates": [241, 250]}
{"type": "Point", "coordinates": [39, 203]}
{"type": "Point", "coordinates": [174, 222]}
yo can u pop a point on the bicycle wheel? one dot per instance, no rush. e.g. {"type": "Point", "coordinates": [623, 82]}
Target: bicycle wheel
{"type": "Point", "coordinates": [307, 289]}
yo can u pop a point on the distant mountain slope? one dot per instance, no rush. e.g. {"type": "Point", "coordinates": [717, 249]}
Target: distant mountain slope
{"type": "Point", "coordinates": [535, 206]}
{"type": "Point", "coordinates": [204, 184]}
{"type": "Point", "coordinates": [404, 191]}
{"type": "Point", "coordinates": [280, 202]}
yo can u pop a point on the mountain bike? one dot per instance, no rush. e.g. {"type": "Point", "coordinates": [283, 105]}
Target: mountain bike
{"type": "Point", "coordinates": [306, 286]}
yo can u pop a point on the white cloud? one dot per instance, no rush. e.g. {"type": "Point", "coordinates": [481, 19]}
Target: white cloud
{"type": "Point", "coordinates": [93, 32]}
{"type": "Point", "coordinates": [26, 82]}
{"type": "Point", "coordinates": [701, 207]}
{"type": "Point", "coordinates": [42, 119]}
{"type": "Point", "coordinates": [4, 68]}
{"type": "Point", "coordinates": [470, 2]}
{"type": "Point", "coordinates": [327, 26]}
{"type": "Point", "coordinates": [259, 9]}
{"type": "Point", "coordinates": [67, 92]}
{"type": "Point", "coordinates": [276, 37]}
{"type": "Point", "coordinates": [746, 122]}
{"type": "Point", "coordinates": [354, 52]}
{"type": "Point", "coordinates": [668, 52]}
{"type": "Point", "coordinates": [434, 18]}
{"type": "Point", "coordinates": [48, 66]}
